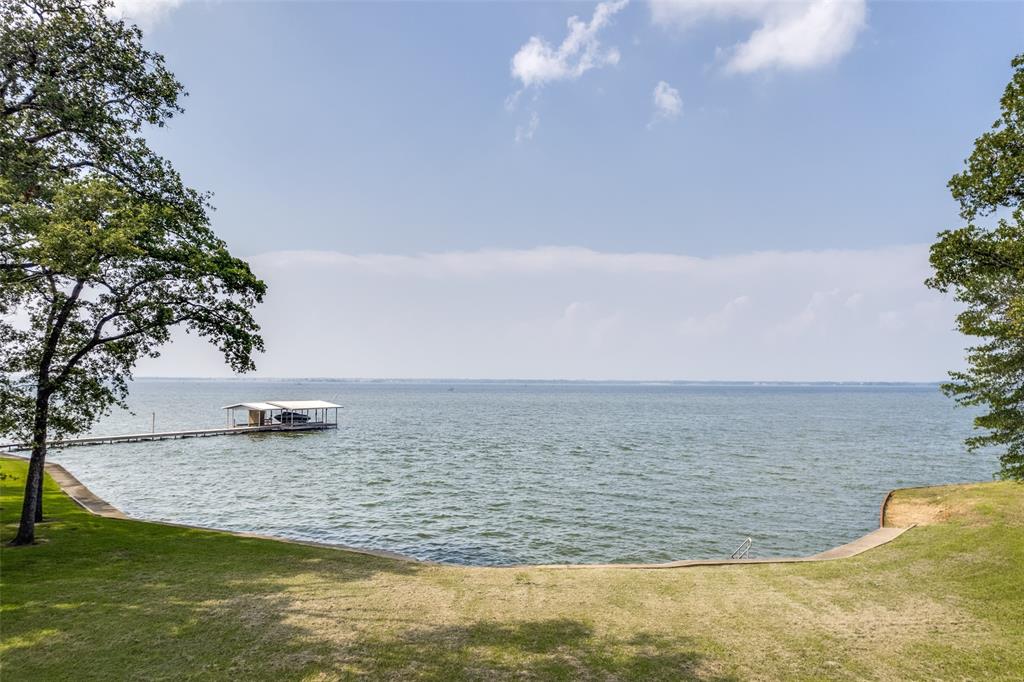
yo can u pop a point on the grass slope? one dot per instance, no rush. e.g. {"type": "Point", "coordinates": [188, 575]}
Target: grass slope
{"type": "Point", "coordinates": [104, 599]}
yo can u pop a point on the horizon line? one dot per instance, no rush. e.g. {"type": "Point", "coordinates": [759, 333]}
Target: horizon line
{"type": "Point", "coordinates": [860, 382]}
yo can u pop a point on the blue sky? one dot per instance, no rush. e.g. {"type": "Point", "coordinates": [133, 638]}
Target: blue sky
{"type": "Point", "coordinates": [351, 131]}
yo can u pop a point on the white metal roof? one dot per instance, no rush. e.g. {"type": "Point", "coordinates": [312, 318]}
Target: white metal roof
{"type": "Point", "coordinates": [251, 406]}
{"type": "Point", "coordinates": [302, 404]}
{"type": "Point", "coordinates": [283, 405]}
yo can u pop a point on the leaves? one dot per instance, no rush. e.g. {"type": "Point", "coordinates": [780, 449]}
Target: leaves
{"type": "Point", "coordinates": [140, 269]}
{"type": "Point", "coordinates": [77, 88]}
{"type": "Point", "coordinates": [984, 268]}
{"type": "Point", "coordinates": [103, 250]}
{"type": "Point", "coordinates": [994, 176]}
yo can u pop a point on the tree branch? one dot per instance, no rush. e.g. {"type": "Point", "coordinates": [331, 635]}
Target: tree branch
{"type": "Point", "coordinates": [54, 338]}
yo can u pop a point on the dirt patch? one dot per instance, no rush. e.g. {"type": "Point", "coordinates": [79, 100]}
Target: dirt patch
{"type": "Point", "coordinates": [900, 513]}
{"type": "Point", "coordinates": [925, 507]}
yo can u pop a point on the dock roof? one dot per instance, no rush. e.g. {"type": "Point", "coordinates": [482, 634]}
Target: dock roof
{"type": "Point", "coordinates": [283, 405]}
{"type": "Point", "coordinates": [251, 406]}
{"type": "Point", "coordinates": [302, 404]}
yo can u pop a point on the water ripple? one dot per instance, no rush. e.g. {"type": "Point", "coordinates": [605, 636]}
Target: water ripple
{"type": "Point", "coordinates": [549, 473]}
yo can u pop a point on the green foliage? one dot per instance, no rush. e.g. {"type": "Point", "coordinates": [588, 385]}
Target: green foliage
{"type": "Point", "coordinates": [994, 175]}
{"type": "Point", "coordinates": [984, 268]}
{"type": "Point", "coordinates": [103, 249]}
{"type": "Point", "coordinates": [118, 273]}
{"type": "Point", "coordinates": [76, 89]}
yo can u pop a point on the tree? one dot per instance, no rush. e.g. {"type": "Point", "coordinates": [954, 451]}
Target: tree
{"type": "Point", "coordinates": [985, 270]}
{"type": "Point", "coordinates": [76, 89]}
{"type": "Point", "coordinates": [102, 248]}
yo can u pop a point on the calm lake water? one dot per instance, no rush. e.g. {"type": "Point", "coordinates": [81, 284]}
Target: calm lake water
{"type": "Point", "coordinates": [503, 473]}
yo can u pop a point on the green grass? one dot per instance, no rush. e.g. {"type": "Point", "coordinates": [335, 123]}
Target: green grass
{"type": "Point", "coordinates": [105, 599]}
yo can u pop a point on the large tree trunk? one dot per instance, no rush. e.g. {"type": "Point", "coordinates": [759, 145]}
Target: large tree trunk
{"type": "Point", "coordinates": [32, 506]}
{"type": "Point", "coordinates": [39, 490]}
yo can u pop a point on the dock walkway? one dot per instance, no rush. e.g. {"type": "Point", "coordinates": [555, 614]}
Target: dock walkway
{"type": "Point", "coordinates": [170, 435]}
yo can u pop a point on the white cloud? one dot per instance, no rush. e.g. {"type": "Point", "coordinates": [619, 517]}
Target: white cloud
{"type": "Point", "coordinates": [526, 132]}
{"type": "Point", "coordinates": [145, 13]}
{"type": "Point", "coordinates": [538, 62]}
{"type": "Point", "coordinates": [559, 312]}
{"type": "Point", "coordinates": [820, 303]}
{"type": "Point", "coordinates": [799, 34]}
{"type": "Point", "coordinates": [667, 103]}
{"type": "Point", "coordinates": [585, 324]}
{"type": "Point", "coordinates": [714, 323]}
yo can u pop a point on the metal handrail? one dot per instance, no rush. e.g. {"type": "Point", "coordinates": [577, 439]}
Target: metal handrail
{"type": "Point", "coordinates": [742, 551]}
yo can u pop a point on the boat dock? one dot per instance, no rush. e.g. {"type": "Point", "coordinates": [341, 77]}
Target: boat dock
{"type": "Point", "coordinates": [270, 416]}
{"type": "Point", "coordinates": [171, 435]}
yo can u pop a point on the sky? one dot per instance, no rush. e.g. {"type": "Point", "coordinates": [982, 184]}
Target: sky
{"type": "Point", "coordinates": [706, 190]}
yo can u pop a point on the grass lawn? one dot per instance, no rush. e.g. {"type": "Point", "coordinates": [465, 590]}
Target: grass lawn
{"type": "Point", "coordinates": [107, 599]}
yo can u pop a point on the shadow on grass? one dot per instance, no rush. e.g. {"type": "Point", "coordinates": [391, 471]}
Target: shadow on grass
{"type": "Point", "coordinates": [97, 594]}
{"type": "Point", "coordinates": [552, 649]}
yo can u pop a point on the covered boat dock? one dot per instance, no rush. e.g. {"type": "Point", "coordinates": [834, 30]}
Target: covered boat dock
{"type": "Point", "coordinates": [287, 414]}
{"type": "Point", "coordinates": [271, 415]}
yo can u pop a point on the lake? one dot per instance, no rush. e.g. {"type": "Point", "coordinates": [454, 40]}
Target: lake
{"type": "Point", "coordinates": [488, 473]}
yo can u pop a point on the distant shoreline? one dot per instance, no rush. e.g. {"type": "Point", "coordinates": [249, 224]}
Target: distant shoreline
{"type": "Point", "coordinates": [542, 382]}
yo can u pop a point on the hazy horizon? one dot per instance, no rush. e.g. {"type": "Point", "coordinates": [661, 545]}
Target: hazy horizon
{"type": "Point", "coordinates": [514, 380]}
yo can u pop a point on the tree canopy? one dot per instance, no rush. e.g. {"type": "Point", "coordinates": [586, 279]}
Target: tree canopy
{"type": "Point", "coordinates": [103, 249]}
{"type": "Point", "coordinates": [994, 176]}
{"type": "Point", "coordinates": [76, 90]}
{"type": "Point", "coordinates": [108, 276]}
{"type": "Point", "coordinates": [984, 268]}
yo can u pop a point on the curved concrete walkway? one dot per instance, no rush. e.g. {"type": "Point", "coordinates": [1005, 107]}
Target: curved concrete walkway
{"type": "Point", "coordinates": [862, 544]}
{"type": "Point", "coordinates": [89, 501]}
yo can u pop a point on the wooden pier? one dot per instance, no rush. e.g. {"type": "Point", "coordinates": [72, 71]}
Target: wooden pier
{"type": "Point", "coordinates": [171, 435]}
{"type": "Point", "coordinates": [260, 417]}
